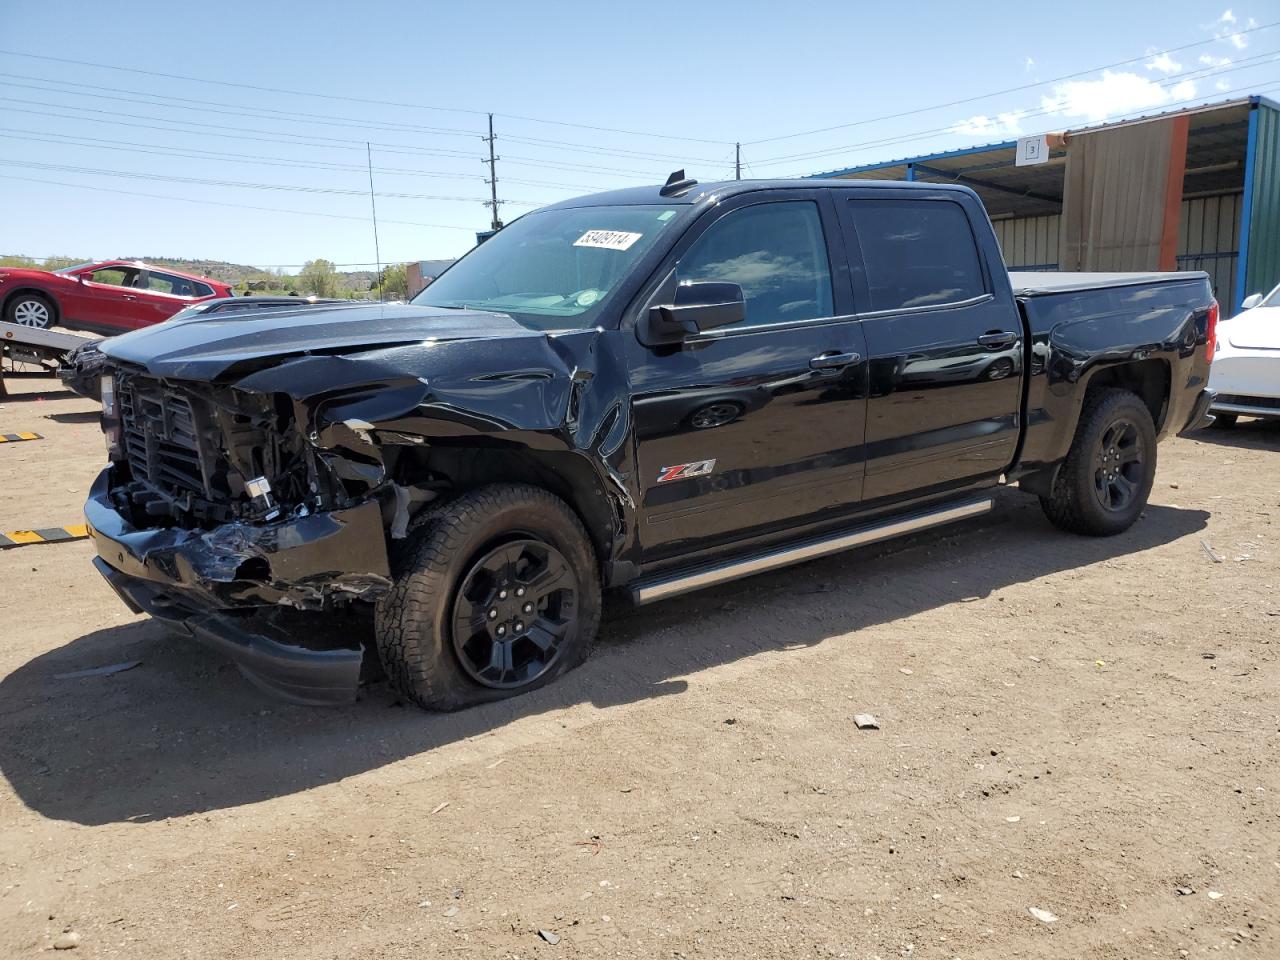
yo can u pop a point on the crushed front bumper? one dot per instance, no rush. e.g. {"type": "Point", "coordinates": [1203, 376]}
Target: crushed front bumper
{"type": "Point", "coordinates": [228, 587]}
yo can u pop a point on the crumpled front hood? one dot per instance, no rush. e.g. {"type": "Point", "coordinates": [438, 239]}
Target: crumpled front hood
{"type": "Point", "coordinates": [208, 349]}
{"type": "Point", "coordinates": [1256, 329]}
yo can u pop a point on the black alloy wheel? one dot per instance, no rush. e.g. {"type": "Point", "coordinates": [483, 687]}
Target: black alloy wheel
{"type": "Point", "coordinates": [1119, 465]}
{"type": "Point", "coordinates": [513, 611]}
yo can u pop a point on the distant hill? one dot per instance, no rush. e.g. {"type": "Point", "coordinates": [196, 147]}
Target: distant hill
{"type": "Point", "coordinates": [357, 281]}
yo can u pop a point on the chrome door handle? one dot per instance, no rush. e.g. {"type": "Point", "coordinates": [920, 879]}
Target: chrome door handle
{"type": "Point", "coordinates": [130, 296]}
{"type": "Point", "coordinates": [834, 361]}
{"type": "Point", "coordinates": [998, 338]}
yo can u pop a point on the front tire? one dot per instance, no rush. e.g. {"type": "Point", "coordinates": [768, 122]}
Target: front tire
{"type": "Point", "coordinates": [31, 310]}
{"type": "Point", "coordinates": [497, 594]}
{"type": "Point", "coordinates": [1103, 485]}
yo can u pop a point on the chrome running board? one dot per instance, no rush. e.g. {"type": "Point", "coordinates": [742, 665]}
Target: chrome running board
{"type": "Point", "coordinates": [647, 591]}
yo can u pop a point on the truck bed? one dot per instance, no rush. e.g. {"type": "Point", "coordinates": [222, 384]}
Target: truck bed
{"type": "Point", "coordinates": [1037, 284]}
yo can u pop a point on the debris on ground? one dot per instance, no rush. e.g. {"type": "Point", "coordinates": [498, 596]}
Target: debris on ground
{"type": "Point", "coordinates": [1214, 895]}
{"type": "Point", "coordinates": [106, 671]}
{"type": "Point", "coordinates": [1210, 551]}
{"type": "Point", "coordinates": [551, 938]}
{"type": "Point", "coordinates": [907, 670]}
{"type": "Point", "coordinates": [1044, 916]}
{"type": "Point", "coordinates": [865, 721]}
{"type": "Point", "coordinates": [67, 940]}
{"type": "Point", "coordinates": [451, 912]}
{"type": "Point", "coordinates": [1184, 891]}
{"type": "Point", "coordinates": [438, 808]}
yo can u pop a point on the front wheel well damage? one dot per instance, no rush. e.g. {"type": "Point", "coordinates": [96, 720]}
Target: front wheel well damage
{"type": "Point", "coordinates": [453, 471]}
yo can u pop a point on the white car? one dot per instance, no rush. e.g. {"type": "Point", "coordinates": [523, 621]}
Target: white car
{"type": "Point", "coordinates": [1246, 368]}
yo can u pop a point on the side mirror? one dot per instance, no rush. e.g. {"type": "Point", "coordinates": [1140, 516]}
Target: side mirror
{"type": "Point", "coordinates": [696, 307]}
{"type": "Point", "coordinates": [1251, 301]}
{"type": "Point", "coordinates": [82, 277]}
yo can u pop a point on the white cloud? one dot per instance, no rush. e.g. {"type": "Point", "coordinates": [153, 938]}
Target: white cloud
{"type": "Point", "coordinates": [1226, 28]}
{"type": "Point", "coordinates": [1112, 94]}
{"type": "Point", "coordinates": [1164, 63]}
{"type": "Point", "coordinates": [1209, 60]}
{"type": "Point", "coordinates": [1222, 86]}
{"type": "Point", "coordinates": [1001, 125]}
{"type": "Point", "coordinates": [1027, 64]}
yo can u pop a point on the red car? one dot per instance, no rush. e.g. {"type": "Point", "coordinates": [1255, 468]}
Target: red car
{"type": "Point", "coordinates": [107, 297]}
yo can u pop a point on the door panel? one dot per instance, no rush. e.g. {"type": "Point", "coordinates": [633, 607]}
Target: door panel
{"type": "Point", "coordinates": [106, 299]}
{"type": "Point", "coordinates": [945, 342]}
{"type": "Point", "coordinates": [757, 425]}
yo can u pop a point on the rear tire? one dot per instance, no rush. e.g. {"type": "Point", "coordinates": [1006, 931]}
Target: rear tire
{"type": "Point", "coordinates": [1224, 421]}
{"type": "Point", "coordinates": [1103, 485]}
{"type": "Point", "coordinates": [31, 310]}
{"type": "Point", "coordinates": [497, 594]}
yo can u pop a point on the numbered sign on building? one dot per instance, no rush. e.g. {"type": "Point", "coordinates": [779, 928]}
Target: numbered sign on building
{"type": "Point", "coordinates": [1033, 150]}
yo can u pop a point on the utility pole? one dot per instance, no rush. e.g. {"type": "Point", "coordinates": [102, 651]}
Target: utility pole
{"type": "Point", "coordinates": [496, 224]}
{"type": "Point", "coordinates": [737, 161]}
{"type": "Point", "coordinates": [373, 206]}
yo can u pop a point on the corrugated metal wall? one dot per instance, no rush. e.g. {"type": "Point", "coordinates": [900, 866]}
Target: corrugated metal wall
{"type": "Point", "coordinates": [1207, 238]}
{"type": "Point", "coordinates": [1030, 243]}
{"type": "Point", "coordinates": [1262, 272]}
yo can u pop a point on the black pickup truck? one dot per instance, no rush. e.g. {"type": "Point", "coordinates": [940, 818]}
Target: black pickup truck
{"type": "Point", "coordinates": [651, 390]}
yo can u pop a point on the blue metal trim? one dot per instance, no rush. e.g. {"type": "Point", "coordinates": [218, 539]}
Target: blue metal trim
{"type": "Point", "coordinates": [1246, 211]}
{"type": "Point", "coordinates": [911, 172]}
{"type": "Point", "coordinates": [923, 158]}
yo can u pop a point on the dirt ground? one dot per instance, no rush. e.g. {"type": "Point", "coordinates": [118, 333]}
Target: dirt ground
{"type": "Point", "coordinates": [1077, 726]}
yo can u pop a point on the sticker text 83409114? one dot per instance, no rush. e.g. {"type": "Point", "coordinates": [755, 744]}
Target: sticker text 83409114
{"type": "Point", "coordinates": [608, 239]}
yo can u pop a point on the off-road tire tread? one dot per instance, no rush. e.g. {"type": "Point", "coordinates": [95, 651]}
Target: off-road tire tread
{"type": "Point", "coordinates": [1066, 506]}
{"type": "Point", "coordinates": [407, 609]}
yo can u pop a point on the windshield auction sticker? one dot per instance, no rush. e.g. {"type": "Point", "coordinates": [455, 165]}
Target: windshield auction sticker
{"type": "Point", "coordinates": [607, 239]}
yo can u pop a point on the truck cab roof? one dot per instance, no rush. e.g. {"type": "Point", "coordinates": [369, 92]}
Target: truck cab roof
{"type": "Point", "coordinates": [703, 193]}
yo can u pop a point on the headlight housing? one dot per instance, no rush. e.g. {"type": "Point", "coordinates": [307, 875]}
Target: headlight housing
{"type": "Point", "coordinates": [110, 417]}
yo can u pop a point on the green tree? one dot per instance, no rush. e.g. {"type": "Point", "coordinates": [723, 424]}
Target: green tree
{"type": "Point", "coordinates": [319, 278]}
{"type": "Point", "coordinates": [394, 282]}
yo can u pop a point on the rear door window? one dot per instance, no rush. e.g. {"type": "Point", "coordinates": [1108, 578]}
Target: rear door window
{"type": "Point", "coordinates": [916, 253]}
{"type": "Point", "coordinates": [776, 252]}
{"type": "Point", "coordinates": [167, 283]}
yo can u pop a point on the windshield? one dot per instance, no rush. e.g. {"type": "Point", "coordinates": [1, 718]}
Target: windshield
{"type": "Point", "coordinates": [1272, 299]}
{"type": "Point", "coordinates": [551, 269]}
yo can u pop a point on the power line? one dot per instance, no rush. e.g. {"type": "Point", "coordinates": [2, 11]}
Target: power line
{"type": "Point", "coordinates": [1204, 72]}
{"type": "Point", "coordinates": [159, 150]}
{"type": "Point", "coordinates": [548, 144]}
{"type": "Point", "coordinates": [241, 184]}
{"type": "Point", "coordinates": [334, 144]}
{"type": "Point", "coordinates": [998, 93]}
{"type": "Point", "coordinates": [211, 106]}
{"type": "Point", "coordinates": [350, 99]}
{"type": "Point", "coordinates": [219, 203]}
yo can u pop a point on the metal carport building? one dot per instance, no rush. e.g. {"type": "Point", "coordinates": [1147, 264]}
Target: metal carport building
{"type": "Point", "coordinates": [1214, 172]}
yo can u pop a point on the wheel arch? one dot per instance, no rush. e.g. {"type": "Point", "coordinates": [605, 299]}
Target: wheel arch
{"type": "Point", "coordinates": [566, 474]}
{"type": "Point", "coordinates": [44, 295]}
{"type": "Point", "coordinates": [1150, 379]}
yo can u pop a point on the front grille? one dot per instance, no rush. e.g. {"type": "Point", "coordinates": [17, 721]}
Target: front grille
{"type": "Point", "coordinates": [160, 437]}
{"type": "Point", "coordinates": [1236, 400]}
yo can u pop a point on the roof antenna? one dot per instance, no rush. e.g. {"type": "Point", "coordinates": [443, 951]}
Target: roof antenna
{"type": "Point", "coordinates": [677, 184]}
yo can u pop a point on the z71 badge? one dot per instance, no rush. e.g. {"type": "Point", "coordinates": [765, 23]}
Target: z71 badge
{"type": "Point", "coordinates": [685, 471]}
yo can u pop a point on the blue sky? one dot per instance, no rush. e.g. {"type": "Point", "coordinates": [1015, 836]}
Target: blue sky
{"type": "Point", "coordinates": [685, 80]}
